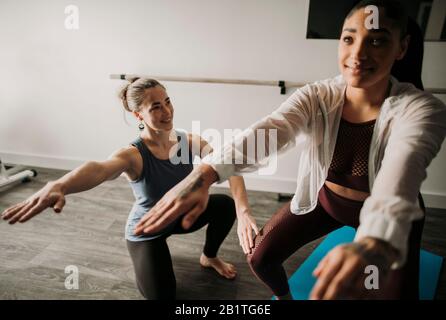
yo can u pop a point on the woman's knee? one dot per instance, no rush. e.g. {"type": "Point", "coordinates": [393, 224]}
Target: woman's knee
{"type": "Point", "coordinates": [258, 260]}
{"type": "Point", "coordinates": [253, 261]}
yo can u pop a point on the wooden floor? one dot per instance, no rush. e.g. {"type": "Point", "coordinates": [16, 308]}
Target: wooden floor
{"type": "Point", "coordinates": [90, 235]}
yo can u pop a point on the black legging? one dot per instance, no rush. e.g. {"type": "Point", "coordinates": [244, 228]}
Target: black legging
{"type": "Point", "coordinates": [151, 258]}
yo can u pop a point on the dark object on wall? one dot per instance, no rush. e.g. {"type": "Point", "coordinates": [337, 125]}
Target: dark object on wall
{"type": "Point", "coordinates": [325, 18]}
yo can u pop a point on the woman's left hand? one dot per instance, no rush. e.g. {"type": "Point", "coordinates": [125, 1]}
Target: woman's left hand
{"type": "Point", "coordinates": [245, 226]}
{"type": "Point", "coordinates": [340, 275]}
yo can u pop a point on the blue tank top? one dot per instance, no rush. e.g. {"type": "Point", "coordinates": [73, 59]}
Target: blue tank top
{"type": "Point", "coordinates": [157, 177]}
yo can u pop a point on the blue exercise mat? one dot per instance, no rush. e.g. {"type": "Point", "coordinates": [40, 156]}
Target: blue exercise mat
{"type": "Point", "coordinates": [302, 281]}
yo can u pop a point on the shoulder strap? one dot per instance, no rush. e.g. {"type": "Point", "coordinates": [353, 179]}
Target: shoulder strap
{"type": "Point", "coordinates": [145, 154]}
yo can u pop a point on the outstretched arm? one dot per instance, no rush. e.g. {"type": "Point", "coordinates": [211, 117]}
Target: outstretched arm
{"type": "Point", "coordinates": [190, 196]}
{"type": "Point", "coordinates": [195, 188]}
{"type": "Point", "coordinates": [85, 177]}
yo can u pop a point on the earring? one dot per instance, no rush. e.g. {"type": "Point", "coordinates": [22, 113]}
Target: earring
{"type": "Point", "coordinates": [141, 126]}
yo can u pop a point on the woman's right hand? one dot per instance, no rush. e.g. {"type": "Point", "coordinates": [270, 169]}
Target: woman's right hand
{"type": "Point", "coordinates": [52, 195]}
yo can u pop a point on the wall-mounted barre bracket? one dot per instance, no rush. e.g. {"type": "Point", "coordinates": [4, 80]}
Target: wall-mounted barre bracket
{"type": "Point", "coordinates": [282, 84]}
{"type": "Point", "coordinates": [282, 87]}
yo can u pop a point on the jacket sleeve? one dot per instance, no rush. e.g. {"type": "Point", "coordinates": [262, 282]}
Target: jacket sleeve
{"type": "Point", "coordinates": [273, 134]}
{"type": "Point", "coordinates": [415, 139]}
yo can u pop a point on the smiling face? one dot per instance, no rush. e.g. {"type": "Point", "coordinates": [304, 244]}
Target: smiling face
{"type": "Point", "coordinates": [157, 110]}
{"type": "Point", "coordinates": [366, 56]}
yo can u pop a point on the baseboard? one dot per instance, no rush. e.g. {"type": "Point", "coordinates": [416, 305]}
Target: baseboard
{"type": "Point", "coordinates": [52, 162]}
{"type": "Point", "coordinates": [434, 200]}
{"type": "Point", "coordinates": [267, 184]}
{"type": "Point", "coordinates": [255, 183]}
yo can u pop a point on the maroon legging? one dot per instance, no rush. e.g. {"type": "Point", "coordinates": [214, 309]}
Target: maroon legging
{"type": "Point", "coordinates": [286, 232]}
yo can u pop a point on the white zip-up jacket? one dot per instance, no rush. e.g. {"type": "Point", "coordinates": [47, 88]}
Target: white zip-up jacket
{"type": "Point", "coordinates": [407, 135]}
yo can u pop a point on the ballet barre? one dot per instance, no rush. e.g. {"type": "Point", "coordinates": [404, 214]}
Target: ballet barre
{"type": "Point", "coordinates": [283, 85]}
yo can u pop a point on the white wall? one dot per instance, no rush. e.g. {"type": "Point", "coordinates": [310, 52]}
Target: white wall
{"type": "Point", "coordinates": [58, 106]}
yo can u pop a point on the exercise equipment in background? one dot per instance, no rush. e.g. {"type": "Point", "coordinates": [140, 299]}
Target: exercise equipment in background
{"type": "Point", "coordinates": [12, 174]}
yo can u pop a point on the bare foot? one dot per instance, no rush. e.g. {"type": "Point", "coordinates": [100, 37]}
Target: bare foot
{"type": "Point", "coordinates": [225, 269]}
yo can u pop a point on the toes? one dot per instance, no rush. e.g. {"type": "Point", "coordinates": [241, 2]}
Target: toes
{"type": "Point", "coordinates": [225, 269]}
{"type": "Point", "coordinates": [231, 272]}
{"type": "Point", "coordinates": [230, 268]}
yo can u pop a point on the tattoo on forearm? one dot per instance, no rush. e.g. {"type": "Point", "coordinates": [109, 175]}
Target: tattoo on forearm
{"type": "Point", "coordinates": [195, 183]}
